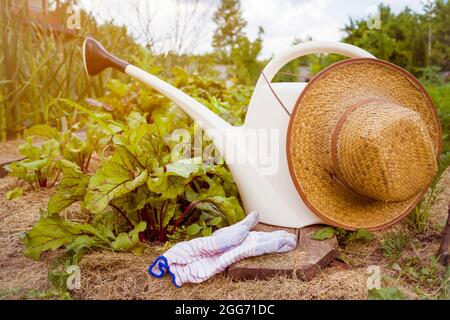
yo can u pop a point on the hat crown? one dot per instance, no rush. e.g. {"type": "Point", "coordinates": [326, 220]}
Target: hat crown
{"type": "Point", "coordinates": [383, 151]}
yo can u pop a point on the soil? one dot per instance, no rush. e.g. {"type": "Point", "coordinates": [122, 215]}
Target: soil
{"type": "Point", "coordinates": [109, 275]}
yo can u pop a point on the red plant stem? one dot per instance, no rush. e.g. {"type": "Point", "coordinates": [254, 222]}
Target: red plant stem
{"type": "Point", "coordinates": [56, 179]}
{"type": "Point", "coordinates": [161, 215]}
{"type": "Point", "coordinates": [150, 221]}
{"type": "Point", "coordinates": [162, 235]}
{"type": "Point", "coordinates": [81, 161]}
{"type": "Point", "coordinates": [123, 215]}
{"type": "Point", "coordinates": [144, 217]}
{"type": "Point", "coordinates": [42, 182]}
{"type": "Point", "coordinates": [149, 230]}
{"type": "Point", "coordinates": [87, 163]}
{"type": "Point", "coordinates": [183, 215]}
{"type": "Point", "coordinates": [152, 216]}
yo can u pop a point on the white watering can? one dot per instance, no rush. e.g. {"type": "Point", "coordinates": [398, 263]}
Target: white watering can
{"type": "Point", "coordinates": [272, 194]}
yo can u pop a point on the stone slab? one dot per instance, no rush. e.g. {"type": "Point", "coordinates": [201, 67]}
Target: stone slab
{"type": "Point", "coordinates": [303, 263]}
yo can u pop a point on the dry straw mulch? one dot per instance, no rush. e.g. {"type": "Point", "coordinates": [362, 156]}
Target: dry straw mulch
{"type": "Point", "coordinates": [109, 275]}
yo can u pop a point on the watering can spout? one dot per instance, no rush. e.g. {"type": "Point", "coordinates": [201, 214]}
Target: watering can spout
{"type": "Point", "coordinates": [96, 59]}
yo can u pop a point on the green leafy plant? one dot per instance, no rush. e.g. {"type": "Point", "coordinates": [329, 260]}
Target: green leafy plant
{"type": "Point", "coordinates": [344, 237]}
{"type": "Point", "coordinates": [441, 97]}
{"type": "Point", "coordinates": [385, 294]}
{"type": "Point", "coordinates": [39, 169]}
{"type": "Point", "coordinates": [324, 233]}
{"type": "Point", "coordinates": [428, 276]}
{"type": "Point", "coordinates": [51, 233]}
{"type": "Point", "coordinates": [72, 188]}
{"type": "Point", "coordinates": [42, 166]}
{"type": "Point", "coordinates": [73, 147]}
{"type": "Point", "coordinates": [145, 188]}
{"type": "Point", "coordinates": [444, 293]}
{"type": "Point", "coordinates": [140, 182]}
{"type": "Point", "coordinates": [140, 178]}
{"type": "Point", "coordinates": [430, 75]}
{"type": "Point", "coordinates": [14, 193]}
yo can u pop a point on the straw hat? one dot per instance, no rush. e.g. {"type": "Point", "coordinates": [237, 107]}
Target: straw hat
{"type": "Point", "coordinates": [363, 142]}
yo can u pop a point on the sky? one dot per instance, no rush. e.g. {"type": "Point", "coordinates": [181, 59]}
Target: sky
{"type": "Point", "coordinates": [282, 20]}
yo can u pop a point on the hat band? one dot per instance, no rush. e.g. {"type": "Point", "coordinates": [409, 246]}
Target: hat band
{"type": "Point", "coordinates": [337, 173]}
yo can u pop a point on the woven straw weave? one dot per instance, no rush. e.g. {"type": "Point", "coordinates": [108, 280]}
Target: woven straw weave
{"type": "Point", "coordinates": [386, 148]}
{"type": "Point", "coordinates": [384, 152]}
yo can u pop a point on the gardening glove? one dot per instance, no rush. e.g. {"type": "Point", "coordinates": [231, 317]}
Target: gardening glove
{"type": "Point", "coordinates": [221, 240]}
{"type": "Point", "coordinates": [256, 243]}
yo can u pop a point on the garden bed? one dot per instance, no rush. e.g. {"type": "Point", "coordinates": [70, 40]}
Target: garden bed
{"type": "Point", "coordinates": [110, 275]}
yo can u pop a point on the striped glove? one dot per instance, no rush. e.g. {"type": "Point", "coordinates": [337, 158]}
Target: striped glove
{"type": "Point", "coordinates": [199, 259]}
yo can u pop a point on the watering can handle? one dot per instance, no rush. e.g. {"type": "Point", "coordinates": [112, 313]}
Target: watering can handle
{"type": "Point", "coordinates": [312, 47]}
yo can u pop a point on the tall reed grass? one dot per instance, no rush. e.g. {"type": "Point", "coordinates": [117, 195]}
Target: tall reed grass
{"type": "Point", "coordinates": [38, 64]}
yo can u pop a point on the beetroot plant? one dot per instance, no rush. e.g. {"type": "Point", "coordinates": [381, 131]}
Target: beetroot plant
{"type": "Point", "coordinates": [152, 184]}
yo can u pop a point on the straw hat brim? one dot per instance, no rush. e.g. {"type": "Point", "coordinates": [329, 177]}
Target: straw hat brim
{"type": "Point", "coordinates": [312, 121]}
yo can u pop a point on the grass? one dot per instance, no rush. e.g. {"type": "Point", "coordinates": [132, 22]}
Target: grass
{"type": "Point", "coordinates": [440, 93]}
{"type": "Point", "coordinates": [395, 242]}
{"type": "Point", "coordinates": [30, 294]}
{"type": "Point", "coordinates": [419, 218]}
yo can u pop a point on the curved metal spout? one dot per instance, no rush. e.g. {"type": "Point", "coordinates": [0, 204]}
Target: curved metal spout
{"type": "Point", "coordinates": [96, 59]}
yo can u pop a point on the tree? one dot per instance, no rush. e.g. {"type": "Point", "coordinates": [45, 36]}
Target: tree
{"type": "Point", "coordinates": [289, 72]}
{"type": "Point", "coordinates": [244, 59]}
{"type": "Point", "coordinates": [230, 25]}
{"type": "Point", "coordinates": [186, 23]}
{"type": "Point", "coordinates": [415, 41]}
{"type": "Point", "coordinates": [401, 39]}
{"type": "Point", "coordinates": [438, 15]}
